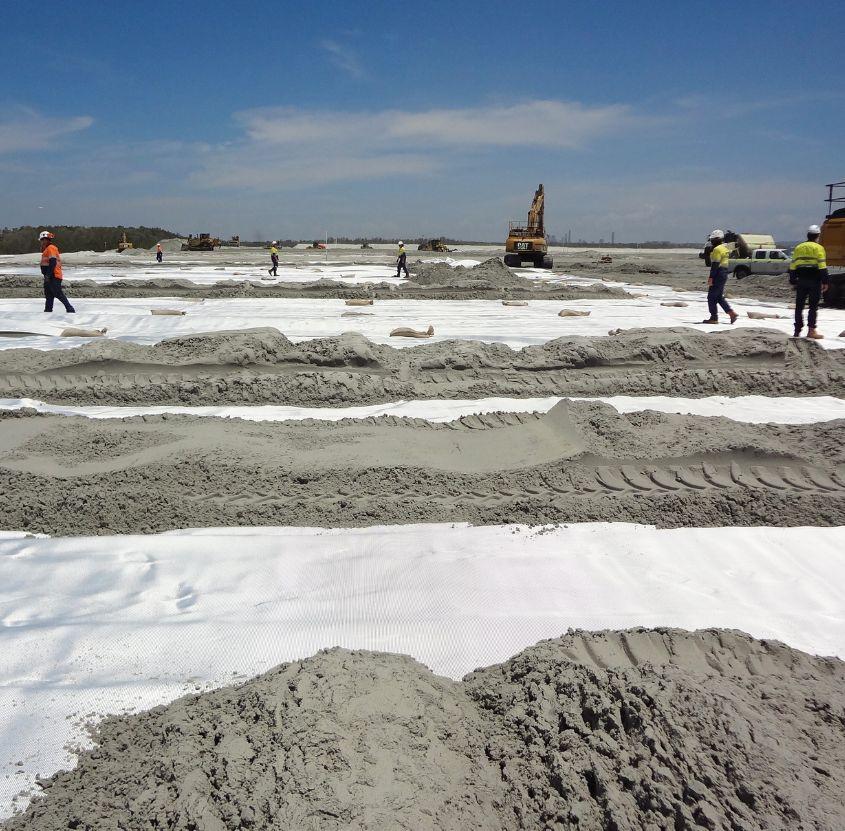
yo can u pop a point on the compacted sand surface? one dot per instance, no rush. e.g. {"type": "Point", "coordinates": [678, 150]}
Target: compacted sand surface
{"type": "Point", "coordinates": [581, 461]}
{"type": "Point", "coordinates": [640, 729]}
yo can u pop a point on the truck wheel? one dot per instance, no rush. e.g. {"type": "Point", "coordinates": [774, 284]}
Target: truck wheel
{"type": "Point", "coordinates": [513, 260]}
{"type": "Point", "coordinates": [546, 262]}
{"type": "Point", "coordinates": [741, 272]}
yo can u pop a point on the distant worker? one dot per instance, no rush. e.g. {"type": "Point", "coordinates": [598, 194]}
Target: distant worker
{"type": "Point", "coordinates": [274, 257]}
{"type": "Point", "coordinates": [51, 269]}
{"type": "Point", "coordinates": [402, 261]}
{"type": "Point", "coordinates": [808, 273]}
{"type": "Point", "coordinates": [159, 252]}
{"type": "Point", "coordinates": [719, 258]}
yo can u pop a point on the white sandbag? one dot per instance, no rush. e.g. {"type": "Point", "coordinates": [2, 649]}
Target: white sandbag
{"type": "Point", "coordinates": [406, 332]}
{"type": "Point", "coordinates": [74, 332]}
{"type": "Point", "coordinates": [766, 316]}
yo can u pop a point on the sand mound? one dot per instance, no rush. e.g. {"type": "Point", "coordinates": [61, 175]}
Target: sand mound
{"type": "Point", "coordinates": [642, 729]}
{"type": "Point", "coordinates": [492, 273]}
{"type": "Point", "coordinates": [170, 246]}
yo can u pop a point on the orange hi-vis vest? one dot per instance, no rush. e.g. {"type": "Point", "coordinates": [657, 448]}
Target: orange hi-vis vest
{"type": "Point", "coordinates": [47, 254]}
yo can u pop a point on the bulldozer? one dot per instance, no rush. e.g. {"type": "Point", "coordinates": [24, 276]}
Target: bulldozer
{"type": "Point", "coordinates": [124, 244]}
{"type": "Point", "coordinates": [436, 245]}
{"type": "Point", "coordinates": [200, 242]}
{"type": "Point", "coordinates": [527, 241]}
{"type": "Point", "coordinates": [833, 240]}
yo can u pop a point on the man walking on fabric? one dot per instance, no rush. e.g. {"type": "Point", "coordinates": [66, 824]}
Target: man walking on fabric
{"type": "Point", "coordinates": [719, 258]}
{"type": "Point", "coordinates": [402, 261]}
{"type": "Point", "coordinates": [51, 270]}
{"type": "Point", "coordinates": [808, 273]}
{"type": "Point", "coordinates": [274, 259]}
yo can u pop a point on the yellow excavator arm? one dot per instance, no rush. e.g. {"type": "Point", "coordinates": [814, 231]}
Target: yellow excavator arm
{"type": "Point", "coordinates": [535, 213]}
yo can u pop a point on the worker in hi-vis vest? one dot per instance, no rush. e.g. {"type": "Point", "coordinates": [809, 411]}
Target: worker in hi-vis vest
{"type": "Point", "coordinates": [274, 259]}
{"type": "Point", "coordinates": [808, 273]}
{"type": "Point", "coordinates": [51, 270]}
{"type": "Point", "coordinates": [402, 261]}
{"type": "Point", "coordinates": [719, 261]}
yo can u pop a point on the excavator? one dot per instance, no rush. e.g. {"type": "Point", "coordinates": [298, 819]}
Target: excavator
{"type": "Point", "coordinates": [527, 241]}
{"type": "Point", "coordinates": [833, 240]}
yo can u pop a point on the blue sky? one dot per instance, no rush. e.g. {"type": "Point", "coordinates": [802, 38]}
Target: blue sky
{"type": "Point", "coordinates": [655, 120]}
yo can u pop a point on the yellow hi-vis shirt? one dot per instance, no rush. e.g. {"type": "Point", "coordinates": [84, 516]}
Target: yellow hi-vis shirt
{"type": "Point", "coordinates": [808, 255]}
{"type": "Point", "coordinates": [720, 255]}
{"type": "Point", "coordinates": [273, 250]}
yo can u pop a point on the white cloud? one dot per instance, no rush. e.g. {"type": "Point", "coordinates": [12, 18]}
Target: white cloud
{"type": "Point", "coordinates": [28, 130]}
{"type": "Point", "coordinates": [343, 58]}
{"type": "Point", "coordinates": [288, 147]}
{"type": "Point", "coordinates": [540, 123]}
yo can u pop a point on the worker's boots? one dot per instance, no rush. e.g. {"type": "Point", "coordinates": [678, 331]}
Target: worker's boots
{"type": "Point", "coordinates": [733, 316]}
{"type": "Point", "coordinates": [815, 334]}
{"type": "Point", "coordinates": [711, 320]}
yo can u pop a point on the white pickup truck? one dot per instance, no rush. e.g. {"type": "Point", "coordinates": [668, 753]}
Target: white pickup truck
{"type": "Point", "coordinates": [762, 261]}
{"type": "Point", "coordinates": [752, 254]}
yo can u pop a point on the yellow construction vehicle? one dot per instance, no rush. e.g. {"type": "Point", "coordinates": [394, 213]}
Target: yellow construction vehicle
{"type": "Point", "coordinates": [833, 240]}
{"type": "Point", "coordinates": [527, 241]}
{"type": "Point", "coordinates": [124, 243]}
{"type": "Point", "coordinates": [201, 242]}
{"type": "Point", "coordinates": [435, 245]}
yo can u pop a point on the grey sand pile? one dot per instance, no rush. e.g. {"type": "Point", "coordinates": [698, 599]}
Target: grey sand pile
{"type": "Point", "coordinates": [640, 730]}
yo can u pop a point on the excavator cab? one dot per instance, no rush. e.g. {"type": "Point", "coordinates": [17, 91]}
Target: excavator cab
{"type": "Point", "coordinates": [527, 240]}
{"type": "Point", "coordinates": [833, 240]}
{"type": "Point", "coordinates": [833, 227]}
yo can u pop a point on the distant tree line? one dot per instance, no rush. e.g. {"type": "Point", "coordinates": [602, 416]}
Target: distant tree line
{"type": "Point", "coordinates": [24, 240]}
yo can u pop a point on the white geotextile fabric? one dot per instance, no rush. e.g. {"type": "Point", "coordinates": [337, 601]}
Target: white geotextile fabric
{"type": "Point", "coordinates": [92, 625]}
{"type": "Point", "coordinates": [208, 275]}
{"type": "Point", "coordinates": [757, 409]}
{"type": "Point", "coordinates": [304, 319]}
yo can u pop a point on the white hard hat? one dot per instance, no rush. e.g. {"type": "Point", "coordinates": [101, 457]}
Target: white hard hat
{"type": "Point", "coordinates": [814, 229]}
{"type": "Point", "coordinates": [400, 242]}
{"type": "Point", "coordinates": [717, 234]}
{"type": "Point", "coordinates": [45, 235]}
{"type": "Point", "coordinates": [275, 242]}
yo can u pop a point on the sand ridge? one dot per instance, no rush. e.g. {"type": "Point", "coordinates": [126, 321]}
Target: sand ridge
{"type": "Point", "coordinates": [262, 366]}
{"type": "Point", "coordinates": [581, 461]}
{"type": "Point", "coordinates": [639, 729]}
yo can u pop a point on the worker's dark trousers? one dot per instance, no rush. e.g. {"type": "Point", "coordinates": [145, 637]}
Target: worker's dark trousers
{"type": "Point", "coordinates": [159, 256]}
{"type": "Point", "coordinates": [400, 267]}
{"type": "Point", "coordinates": [808, 288]}
{"type": "Point", "coordinates": [53, 291]}
{"type": "Point", "coordinates": [716, 294]}
{"type": "Point", "coordinates": [275, 265]}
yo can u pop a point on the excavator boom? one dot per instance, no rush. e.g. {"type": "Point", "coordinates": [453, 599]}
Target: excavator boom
{"type": "Point", "coordinates": [535, 213]}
